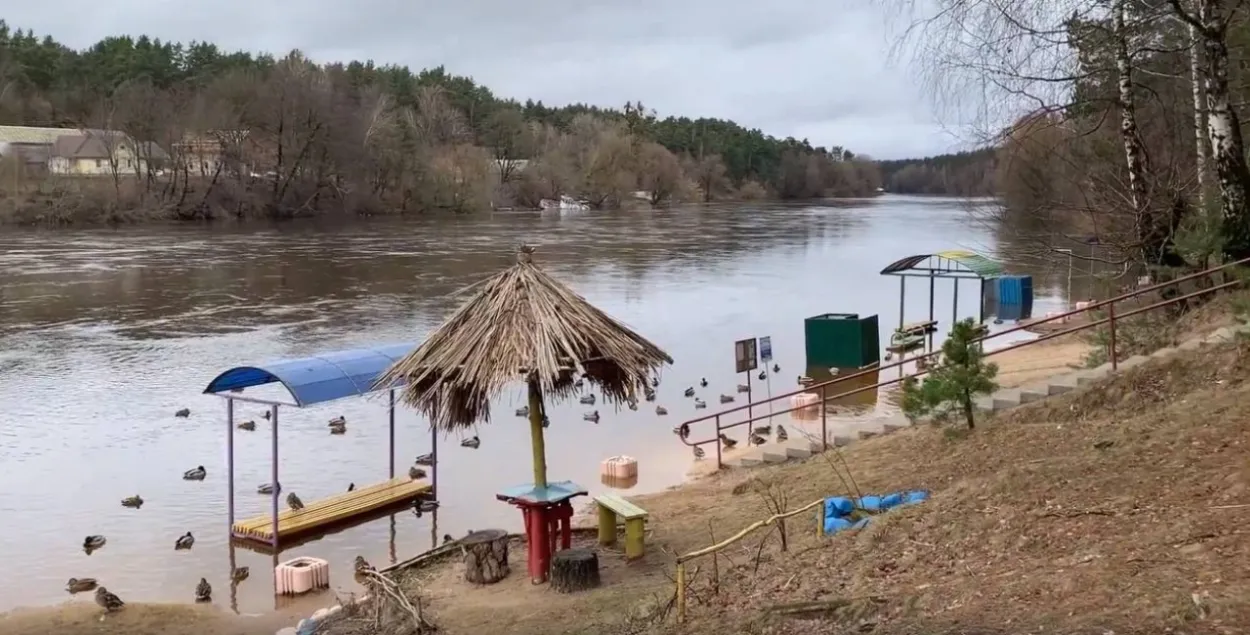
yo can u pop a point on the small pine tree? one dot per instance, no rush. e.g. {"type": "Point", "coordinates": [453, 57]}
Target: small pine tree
{"type": "Point", "coordinates": [955, 380]}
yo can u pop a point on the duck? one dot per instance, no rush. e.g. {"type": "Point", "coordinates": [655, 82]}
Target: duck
{"type": "Point", "coordinates": [588, 400]}
{"type": "Point", "coordinates": [648, 395]}
{"type": "Point", "coordinates": [764, 430]}
{"type": "Point", "coordinates": [806, 381]}
{"type": "Point", "coordinates": [268, 488]}
{"type": "Point", "coordinates": [78, 585]}
{"type": "Point", "coordinates": [757, 439]}
{"type": "Point", "coordinates": [727, 442]}
{"type": "Point", "coordinates": [186, 541]}
{"type": "Point", "coordinates": [184, 413]}
{"type": "Point", "coordinates": [633, 405]}
{"type": "Point", "coordinates": [197, 474]}
{"type": "Point", "coordinates": [247, 425]}
{"type": "Point", "coordinates": [593, 416]}
{"type": "Point", "coordinates": [203, 591]}
{"type": "Point", "coordinates": [703, 382]}
{"type": "Point", "coordinates": [362, 565]}
{"type": "Point", "coordinates": [726, 398]}
{"type": "Point", "coordinates": [338, 429]}
{"type": "Point", "coordinates": [425, 459]}
{"type": "Point", "coordinates": [294, 502]}
{"type": "Point", "coordinates": [415, 473]}
{"type": "Point", "coordinates": [267, 415]}
{"type": "Point", "coordinates": [338, 421]}
{"type": "Point", "coordinates": [351, 487]}
{"type": "Point", "coordinates": [447, 538]}
{"type": "Point", "coordinates": [776, 368]}
{"type": "Point", "coordinates": [661, 410]}
{"type": "Point", "coordinates": [889, 356]}
{"type": "Point", "coordinates": [546, 422]}
{"type": "Point", "coordinates": [471, 442]}
{"type": "Point", "coordinates": [744, 388]}
{"type": "Point", "coordinates": [689, 392]}
{"type": "Point", "coordinates": [682, 430]}
{"type": "Point", "coordinates": [239, 574]}
{"type": "Point", "coordinates": [108, 600]}
{"type": "Point", "coordinates": [93, 542]}
{"type": "Point", "coordinates": [781, 433]}
{"type": "Point", "coordinates": [699, 453]}
{"type": "Point", "coordinates": [135, 501]}
{"type": "Point", "coordinates": [699, 403]}
{"type": "Point", "coordinates": [655, 382]}
{"type": "Point", "coordinates": [523, 411]}
{"type": "Point", "coordinates": [424, 507]}
{"type": "Point", "coordinates": [763, 375]}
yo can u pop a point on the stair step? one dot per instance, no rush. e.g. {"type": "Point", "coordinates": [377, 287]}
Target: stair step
{"type": "Point", "coordinates": [1029, 394]}
{"type": "Point", "coordinates": [1136, 360]}
{"type": "Point", "coordinates": [1061, 385]}
{"type": "Point", "coordinates": [1163, 352]}
{"type": "Point", "coordinates": [1004, 399]}
{"type": "Point", "coordinates": [895, 423]}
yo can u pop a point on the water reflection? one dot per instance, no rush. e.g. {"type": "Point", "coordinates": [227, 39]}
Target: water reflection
{"type": "Point", "coordinates": [104, 334]}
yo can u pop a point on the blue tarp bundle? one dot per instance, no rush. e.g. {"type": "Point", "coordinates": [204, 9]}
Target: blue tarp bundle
{"type": "Point", "coordinates": [837, 509]}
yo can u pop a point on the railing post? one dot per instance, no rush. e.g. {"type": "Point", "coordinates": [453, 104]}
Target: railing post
{"type": "Point", "coordinates": [824, 432]}
{"type": "Point", "coordinates": [719, 466]}
{"type": "Point", "coordinates": [1111, 322]}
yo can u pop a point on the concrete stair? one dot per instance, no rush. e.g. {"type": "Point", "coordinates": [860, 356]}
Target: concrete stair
{"type": "Point", "coordinates": [801, 447]}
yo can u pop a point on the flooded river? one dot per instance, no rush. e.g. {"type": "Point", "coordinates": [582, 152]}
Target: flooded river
{"type": "Point", "coordinates": [104, 334]}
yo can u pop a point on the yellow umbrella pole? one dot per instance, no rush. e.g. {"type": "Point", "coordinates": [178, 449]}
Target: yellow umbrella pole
{"type": "Point", "coordinates": [536, 434]}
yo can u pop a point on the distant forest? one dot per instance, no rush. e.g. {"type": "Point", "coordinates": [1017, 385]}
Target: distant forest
{"type": "Point", "coordinates": [961, 174]}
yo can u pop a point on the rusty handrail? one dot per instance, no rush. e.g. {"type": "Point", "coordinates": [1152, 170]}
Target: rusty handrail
{"type": "Point", "coordinates": [877, 368]}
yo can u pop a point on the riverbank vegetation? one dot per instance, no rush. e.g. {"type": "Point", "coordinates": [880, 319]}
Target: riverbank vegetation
{"type": "Point", "coordinates": [970, 174]}
{"type": "Point", "coordinates": [1123, 119]}
{"type": "Point", "coordinates": [210, 134]}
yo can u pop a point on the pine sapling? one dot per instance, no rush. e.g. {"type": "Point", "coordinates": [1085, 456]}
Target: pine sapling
{"type": "Point", "coordinates": [953, 383]}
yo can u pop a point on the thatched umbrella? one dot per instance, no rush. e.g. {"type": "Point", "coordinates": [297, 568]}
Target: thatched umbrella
{"type": "Point", "coordinates": [522, 324]}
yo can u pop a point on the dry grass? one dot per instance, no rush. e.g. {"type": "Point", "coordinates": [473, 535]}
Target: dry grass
{"type": "Point", "coordinates": [1122, 507]}
{"type": "Point", "coordinates": [522, 322]}
{"type": "Point", "coordinates": [83, 618]}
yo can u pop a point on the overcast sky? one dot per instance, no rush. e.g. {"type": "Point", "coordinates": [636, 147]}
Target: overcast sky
{"type": "Point", "coordinates": [806, 68]}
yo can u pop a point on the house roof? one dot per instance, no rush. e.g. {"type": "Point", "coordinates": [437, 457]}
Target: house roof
{"type": "Point", "coordinates": [79, 147]}
{"type": "Point", "coordinates": [30, 134]}
{"type": "Point", "coordinates": [151, 151]}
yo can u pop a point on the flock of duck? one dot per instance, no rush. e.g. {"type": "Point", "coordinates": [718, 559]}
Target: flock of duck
{"type": "Point", "coordinates": [759, 434]}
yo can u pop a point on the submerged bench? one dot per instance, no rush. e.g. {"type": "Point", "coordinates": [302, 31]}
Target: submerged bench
{"type": "Point", "coordinates": [611, 507]}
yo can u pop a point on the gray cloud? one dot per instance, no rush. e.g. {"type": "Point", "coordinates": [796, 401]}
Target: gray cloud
{"type": "Point", "coordinates": [791, 68]}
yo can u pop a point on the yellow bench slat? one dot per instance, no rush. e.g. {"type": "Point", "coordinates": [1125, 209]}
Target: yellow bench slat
{"type": "Point", "coordinates": [621, 507]}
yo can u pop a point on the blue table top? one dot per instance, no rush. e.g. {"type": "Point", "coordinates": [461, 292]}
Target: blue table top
{"type": "Point", "coordinates": [553, 493]}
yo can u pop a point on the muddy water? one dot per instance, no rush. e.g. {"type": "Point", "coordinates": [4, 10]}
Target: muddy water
{"type": "Point", "coordinates": [104, 334]}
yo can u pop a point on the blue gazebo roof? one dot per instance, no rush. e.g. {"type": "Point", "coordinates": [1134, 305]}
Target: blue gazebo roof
{"type": "Point", "coordinates": [320, 378]}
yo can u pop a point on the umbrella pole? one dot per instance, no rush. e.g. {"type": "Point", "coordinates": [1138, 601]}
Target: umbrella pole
{"type": "Point", "coordinates": [536, 434]}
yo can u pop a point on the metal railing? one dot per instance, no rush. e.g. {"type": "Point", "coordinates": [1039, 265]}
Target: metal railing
{"type": "Point", "coordinates": [824, 388]}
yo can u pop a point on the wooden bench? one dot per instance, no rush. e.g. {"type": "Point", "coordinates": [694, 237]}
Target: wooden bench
{"type": "Point", "coordinates": [611, 507]}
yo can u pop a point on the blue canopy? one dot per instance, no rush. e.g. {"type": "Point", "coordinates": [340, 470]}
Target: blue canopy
{"type": "Point", "coordinates": [320, 378]}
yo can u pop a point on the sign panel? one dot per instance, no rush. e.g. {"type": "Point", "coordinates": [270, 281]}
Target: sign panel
{"type": "Point", "coordinates": [766, 349]}
{"type": "Point", "coordinates": [744, 355]}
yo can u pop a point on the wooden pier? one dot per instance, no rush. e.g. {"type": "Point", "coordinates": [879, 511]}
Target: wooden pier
{"type": "Point", "coordinates": [335, 510]}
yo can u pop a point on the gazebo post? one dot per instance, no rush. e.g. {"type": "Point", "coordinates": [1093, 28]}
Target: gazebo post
{"type": "Point", "coordinates": [902, 299]}
{"type": "Point", "coordinates": [434, 460]}
{"type": "Point", "coordinates": [230, 469]}
{"type": "Point", "coordinates": [932, 280]}
{"type": "Point", "coordinates": [273, 475]}
{"type": "Point", "coordinates": [391, 416]}
{"type": "Point", "coordinates": [955, 304]}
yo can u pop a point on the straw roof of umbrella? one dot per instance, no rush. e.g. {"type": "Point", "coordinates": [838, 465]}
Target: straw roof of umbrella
{"type": "Point", "coordinates": [519, 325]}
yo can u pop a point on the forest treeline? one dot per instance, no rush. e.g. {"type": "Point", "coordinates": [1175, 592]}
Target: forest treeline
{"type": "Point", "coordinates": [299, 138]}
{"type": "Point", "coordinates": [969, 174]}
{"type": "Point", "coordinates": [1128, 120]}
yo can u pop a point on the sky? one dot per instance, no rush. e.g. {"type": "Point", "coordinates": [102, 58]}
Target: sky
{"type": "Point", "coordinates": [820, 70]}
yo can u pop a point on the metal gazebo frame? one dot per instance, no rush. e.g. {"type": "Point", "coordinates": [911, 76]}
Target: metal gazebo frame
{"type": "Point", "coordinates": [954, 264]}
{"type": "Point", "coordinates": [310, 381]}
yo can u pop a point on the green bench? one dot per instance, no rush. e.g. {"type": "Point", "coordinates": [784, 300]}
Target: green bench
{"type": "Point", "coordinates": [611, 508]}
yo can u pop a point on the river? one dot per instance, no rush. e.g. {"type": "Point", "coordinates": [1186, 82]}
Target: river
{"type": "Point", "coordinates": [104, 334]}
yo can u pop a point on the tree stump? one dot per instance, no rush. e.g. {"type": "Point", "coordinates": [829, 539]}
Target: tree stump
{"type": "Point", "coordinates": [574, 570]}
{"type": "Point", "coordinates": [485, 556]}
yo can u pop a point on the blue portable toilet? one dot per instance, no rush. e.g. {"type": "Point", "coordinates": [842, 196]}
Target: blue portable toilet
{"type": "Point", "coordinates": [1015, 297]}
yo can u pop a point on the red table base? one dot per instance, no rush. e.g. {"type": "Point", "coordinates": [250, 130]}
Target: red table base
{"type": "Point", "coordinates": [543, 524]}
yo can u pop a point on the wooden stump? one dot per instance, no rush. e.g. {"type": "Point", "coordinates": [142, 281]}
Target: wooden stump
{"type": "Point", "coordinates": [574, 570]}
{"type": "Point", "coordinates": [485, 556]}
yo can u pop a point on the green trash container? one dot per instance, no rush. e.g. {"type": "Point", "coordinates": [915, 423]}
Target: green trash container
{"type": "Point", "coordinates": [841, 340]}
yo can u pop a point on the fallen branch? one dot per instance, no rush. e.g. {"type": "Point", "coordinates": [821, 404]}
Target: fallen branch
{"type": "Point", "coordinates": [384, 588]}
{"type": "Point", "coordinates": [815, 609]}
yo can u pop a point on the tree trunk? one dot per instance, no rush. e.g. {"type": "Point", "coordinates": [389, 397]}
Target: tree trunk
{"type": "Point", "coordinates": [1224, 127]}
{"type": "Point", "coordinates": [485, 556]}
{"type": "Point", "coordinates": [1202, 144]}
{"type": "Point", "coordinates": [574, 570]}
{"type": "Point", "coordinates": [1130, 137]}
{"type": "Point", "coordinates": [969, 412]}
